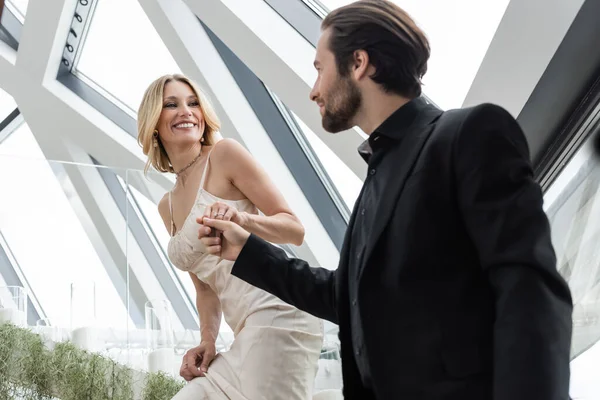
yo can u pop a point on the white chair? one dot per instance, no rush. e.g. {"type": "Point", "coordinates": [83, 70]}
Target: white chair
{"type": "Point", "coordinates": [329, 394]}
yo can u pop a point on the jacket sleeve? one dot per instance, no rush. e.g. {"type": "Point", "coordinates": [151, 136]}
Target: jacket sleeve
{"type": "Point", "coordinates": [501, 206]}
{"type": "Point", "coordinates": [268, 267]}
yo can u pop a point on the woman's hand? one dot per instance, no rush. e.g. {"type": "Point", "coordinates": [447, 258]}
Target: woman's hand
{"type": "Point", "coordinates": [230, 245]}
{"type": "Point", "coordinates": [225, 212]}
{"type": "Point", "coordinates": [196, 360]}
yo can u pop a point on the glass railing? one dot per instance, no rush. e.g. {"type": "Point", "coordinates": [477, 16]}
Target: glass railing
{"type": "Point", "coordinates": [89, 247]}
{"type": "Point", "coordinates": [84, 242]}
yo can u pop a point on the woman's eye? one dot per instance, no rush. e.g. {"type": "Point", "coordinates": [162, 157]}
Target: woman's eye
{"type": "Point", "coordinates": [170, 105]}
{"type": "Point", "coordinates": [194, 104]}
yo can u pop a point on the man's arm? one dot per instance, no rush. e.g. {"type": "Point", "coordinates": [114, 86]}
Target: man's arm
{"type": "Point", "coordinates": [292, 280]}
{"type": "Point", "coordinates": [501, 205]}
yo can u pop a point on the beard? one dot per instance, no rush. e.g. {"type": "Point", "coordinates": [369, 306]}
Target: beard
{"type": "Point", "coordinates": [344, 101]}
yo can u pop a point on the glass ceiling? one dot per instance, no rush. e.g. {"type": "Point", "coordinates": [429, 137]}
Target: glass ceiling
{"type": "Point", "coordinates": [20, 6]}
{"type": "Point", "coordinates": [459, 33]}
{"type": "Point", "coordinates": [123, 53]}
{"type": "Point", "coordinates": [7, 105]}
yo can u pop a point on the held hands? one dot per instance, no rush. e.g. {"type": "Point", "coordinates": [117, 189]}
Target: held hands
{"type": "Point", "coordinates": [228, 244]}
{"type": "Point", "coordinates": [196, 360]}
{"type": "Point", "coordinates": [221, 231]}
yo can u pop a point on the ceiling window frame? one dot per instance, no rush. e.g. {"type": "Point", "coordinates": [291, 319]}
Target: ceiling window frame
{"type": "Point", "coordinates": [10, 28]}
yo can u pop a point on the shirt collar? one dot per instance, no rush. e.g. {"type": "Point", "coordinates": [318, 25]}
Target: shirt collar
{"type": "Point", "coordinates": [394, 127]}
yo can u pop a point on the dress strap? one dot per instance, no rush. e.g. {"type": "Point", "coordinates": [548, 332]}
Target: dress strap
{"type": "Point", "coordinates": [171, 214]}
{"type": "Point", "coordinates": [206, 168]}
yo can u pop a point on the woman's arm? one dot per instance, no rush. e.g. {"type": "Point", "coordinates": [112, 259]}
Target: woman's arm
{"type": "Point", "coordinates": [278, 224]}
{"type": "Point", "coordinates": [279, 228]}
{"type": "Point", "coordinates": [209, 310]}
{"type": "Point", "coordinates": [196, 360]}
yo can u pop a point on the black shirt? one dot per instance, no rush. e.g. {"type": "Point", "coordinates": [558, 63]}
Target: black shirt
{"type": "Point", "coordinates": [373, 151]}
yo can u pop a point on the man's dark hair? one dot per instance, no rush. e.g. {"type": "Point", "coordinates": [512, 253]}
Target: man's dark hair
{"type": "Point", "coordinates": [397, 48]}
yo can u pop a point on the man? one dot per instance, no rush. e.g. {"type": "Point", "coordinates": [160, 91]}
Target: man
{"type": "Point", "coordinates": [447, 286]}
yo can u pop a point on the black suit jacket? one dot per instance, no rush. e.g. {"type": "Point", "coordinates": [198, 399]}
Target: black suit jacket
{"type": "Point", "coordinates": [459, 295]}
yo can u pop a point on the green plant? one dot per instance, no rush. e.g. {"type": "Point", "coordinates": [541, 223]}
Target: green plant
{"type": "Point", "coordinates": [160, 386]}
{"type": "Point", "coordinates": [31, 371]}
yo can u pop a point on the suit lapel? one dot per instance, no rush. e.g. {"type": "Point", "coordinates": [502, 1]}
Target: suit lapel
{"type": "Point", "coordinates": [404, 158]}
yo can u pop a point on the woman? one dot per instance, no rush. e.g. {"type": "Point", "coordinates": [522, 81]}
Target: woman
{"type": "Point", "coordinates": [276, 346]}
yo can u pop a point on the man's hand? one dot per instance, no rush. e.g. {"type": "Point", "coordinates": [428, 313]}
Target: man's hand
{"type": "Point", "coordinates": [196, 360]}
{"type": "Point", "coordinates": [230, 246]}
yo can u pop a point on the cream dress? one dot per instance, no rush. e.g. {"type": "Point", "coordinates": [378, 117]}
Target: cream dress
{"type": "Point", "coordinates": [276, 346]}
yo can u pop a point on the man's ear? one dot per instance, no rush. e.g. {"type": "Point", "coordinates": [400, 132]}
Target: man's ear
{"type": "Point", "coordinates": [361, 68]}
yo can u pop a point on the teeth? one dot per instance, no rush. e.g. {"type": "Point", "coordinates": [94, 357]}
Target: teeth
{"type": "Point", "coordinates": [185, 125]}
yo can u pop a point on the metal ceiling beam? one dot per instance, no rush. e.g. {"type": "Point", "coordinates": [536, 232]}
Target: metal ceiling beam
{"type": "Point", "coordinates": [527, 38]}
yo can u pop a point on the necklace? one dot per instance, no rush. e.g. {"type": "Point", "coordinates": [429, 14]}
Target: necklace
{"type": "Point", "coordinates": [189, 165]}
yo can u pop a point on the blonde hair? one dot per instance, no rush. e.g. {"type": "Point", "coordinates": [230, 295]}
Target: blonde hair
{"type": "Point", "coordinates": [149, 114]}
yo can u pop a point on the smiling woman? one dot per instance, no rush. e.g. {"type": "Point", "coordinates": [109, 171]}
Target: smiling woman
{"type": "Point", "coordinates": [161, 103]}
{"type": "Point", "coordinates": [218, 178]}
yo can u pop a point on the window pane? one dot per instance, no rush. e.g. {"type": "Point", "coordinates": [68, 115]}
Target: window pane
{"type": "Point", "coordinates": [7, 105]}
{"type": "Point", "coordinates": [573, 207]}
{"type": "Point", "coordinates": [46, 235]}
{"type": "Point", "coordinates": [346, 182]}
{"type": "Point", "coordinates": [123, 53]}
{"type": "Point", "coordinates": [19, 7]}
{"type": "Point", "coordinates": [459, 33]}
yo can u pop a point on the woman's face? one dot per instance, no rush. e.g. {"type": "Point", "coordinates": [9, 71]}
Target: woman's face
{"type": "Point", "coordinates": [181, 121]}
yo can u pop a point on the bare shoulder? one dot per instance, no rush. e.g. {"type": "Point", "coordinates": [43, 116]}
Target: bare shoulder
{"type": "Point", "coordinates": [231, 157]}
{"type": "Point", "coordinates": [226, 148]}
